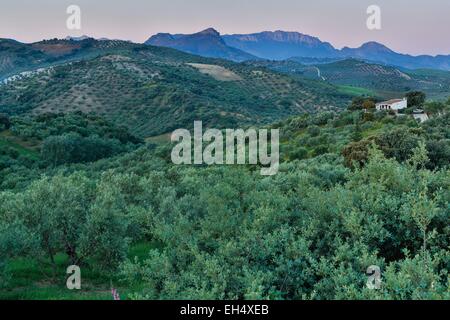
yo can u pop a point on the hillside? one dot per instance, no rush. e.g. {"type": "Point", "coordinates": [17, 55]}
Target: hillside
{"type": "Point", "coordinates": [156, 230]}
{"type": "Point", "coordinates": [351, 134]}
{"type": "Point", "coordinates": [162, 231]}
{"type": "Point", "coordinates": [154, 90]}
{"type": "Point", "coordinates": [16, 57]}
{"type": "Point", "coordinates": [384, 81]}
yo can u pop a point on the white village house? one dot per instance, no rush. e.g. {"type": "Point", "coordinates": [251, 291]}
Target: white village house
{"type": "Point", "coordinates": [394, 104]}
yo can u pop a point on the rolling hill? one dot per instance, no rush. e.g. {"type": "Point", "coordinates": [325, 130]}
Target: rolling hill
{"type": "Point", "coordinates": [383, 81]}
{"type": "Point", "coordinates": [17, 57]}
{"type": "Point", "coordinates": [154, 90]}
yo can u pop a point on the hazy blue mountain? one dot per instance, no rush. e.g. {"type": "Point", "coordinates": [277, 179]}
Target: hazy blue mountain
{"type": "Point", "coordinates": [281, 45]}
{"type": "Point", "coordinates": [207, 43]}
{"type": "Point", "coordinates": [378, 52]}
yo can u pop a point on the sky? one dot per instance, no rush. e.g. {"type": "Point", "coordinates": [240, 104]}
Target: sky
{"type": "Point", "coordinates": [407, 26]}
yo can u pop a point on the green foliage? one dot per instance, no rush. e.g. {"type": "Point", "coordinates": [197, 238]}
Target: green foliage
{"type": "Point", "coordinates": [72, 148]}
{"type": "Point", "coordinates": [353, 191]}
{"type": "Point", "coordinates": [50, 124]}
{"type": "Point", "coordinates": [33, 143]}
{"type": "Point", "coordinates": [72, 215]}
{"type": "Point", "coordinates": [361, 103]}
{"type": "Point", "coordinates": [398, 143]}
{"type": "Point", "coordinates": [355, 188]}
{"type": "Point", "coordinates": [352, 133]}
{"type": "Point", "coordinates": [435, 107]}
{"type": "Point", "coordinates": [14, 241]}
{"type": "Point", "coordinates": [5, 123]}
{"type": "Point", "coordinates": [362, 78]}
{"type": "Point", "coordinates": [291, 237]}
{"type": "Point", "coordinates": [416, 98]}
{"type": "Point", "coordinates": [356, 153]}
{"type": "Point", "coordinates": [104, 234]}
{"type": "Point", "coordinates": [52, 211]}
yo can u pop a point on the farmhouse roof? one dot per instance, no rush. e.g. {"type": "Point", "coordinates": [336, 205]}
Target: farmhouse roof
{"type": "Point", "coordinates": [392, 101]}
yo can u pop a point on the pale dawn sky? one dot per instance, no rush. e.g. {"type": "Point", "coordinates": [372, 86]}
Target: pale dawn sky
{"type": "Point", "coordinates": [408, 26]}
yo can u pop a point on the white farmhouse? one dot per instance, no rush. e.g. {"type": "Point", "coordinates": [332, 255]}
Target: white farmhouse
{"type": "Point", "coordinates": [394, 104]}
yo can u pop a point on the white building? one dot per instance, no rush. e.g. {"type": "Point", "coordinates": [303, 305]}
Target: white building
{"type": "Point", "coordinates": [394, 104]}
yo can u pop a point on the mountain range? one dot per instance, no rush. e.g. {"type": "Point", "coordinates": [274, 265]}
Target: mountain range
{"type": "Point", "coordinates": [282, 45]}
{"type": "Point", "coordinates": [207, 43]}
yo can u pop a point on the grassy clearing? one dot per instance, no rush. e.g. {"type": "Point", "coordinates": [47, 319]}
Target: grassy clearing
{"type": "Point", "coordinates": [356, 91]}
{"type": "Point", "coordinates": [163, 138]}
{"type": "Point", "coordinates": [217, 72]}
{"type": "Point", "coordinates": [25, 148]}
{"type": "Point", "coordinates": [34, 280]}
{"type": "Point", "coordinates": [378, 128]}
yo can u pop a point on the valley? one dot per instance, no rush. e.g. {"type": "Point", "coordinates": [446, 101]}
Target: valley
{"type": "Point", "coordinates": [154, 90]}
{"type": "Point", "coordinates": [378, 80]}
{"type": "Point", "coordinates": [88, 177]}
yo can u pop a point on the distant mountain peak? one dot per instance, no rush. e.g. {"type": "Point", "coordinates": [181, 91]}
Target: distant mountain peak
{"type": "Point", "coordinates": [290, 36]}
{"type": "Point", "coordinates": [210, 31]}
{"type": "Point", "coordinates": [206, 43]}
{"type": "Point", "coordinates": [375, 46]}
{"type": "Point", "coordinates": [277, 35]}
{"type": "Point", "coordinates": [280, 45]}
